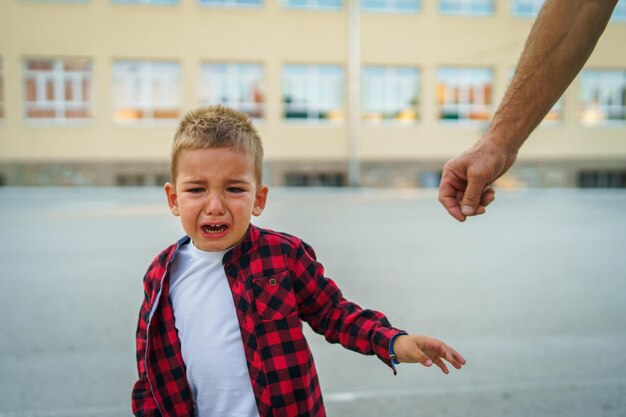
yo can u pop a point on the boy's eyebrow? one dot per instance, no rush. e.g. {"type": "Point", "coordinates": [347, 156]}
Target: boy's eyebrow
{"type": "Point", "coordinates": [191, 181]}
{"type": "Point", "coordinates": [243, 180]}
{"type": "Point", "coordinates": [233, 180]}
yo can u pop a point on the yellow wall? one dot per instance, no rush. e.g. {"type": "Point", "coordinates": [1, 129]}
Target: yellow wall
{"type": "Point", "coordinates": [272, 35]}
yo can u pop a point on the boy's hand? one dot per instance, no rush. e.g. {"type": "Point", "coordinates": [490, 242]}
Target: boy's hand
{"type": "Point", "coordinates": [426, 350]}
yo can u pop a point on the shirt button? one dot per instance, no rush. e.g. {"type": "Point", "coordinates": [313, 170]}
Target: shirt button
{"type": "Point", "coordinates": [272, 281]}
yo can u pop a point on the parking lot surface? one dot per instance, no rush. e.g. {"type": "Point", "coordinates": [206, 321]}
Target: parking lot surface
{"type": "Point", "coordinates": [533, 294]}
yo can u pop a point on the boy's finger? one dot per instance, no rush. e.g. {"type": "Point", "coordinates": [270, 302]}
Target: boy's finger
{"type": "Point", "coordinates": [424, 360]}
{"type": "Point", "coordinates": [441, 364]}
{"type": "Point", "coordinates": [452, 355]}
{"type": "Point", "coordinates": [455, 363]}
{"type": "Point", "coordinates": [458, 358]}
{"type": "Point", "coordinates": [421, 357]}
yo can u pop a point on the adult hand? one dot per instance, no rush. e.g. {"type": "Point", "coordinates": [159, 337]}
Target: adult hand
{"type": "Point", "coordinates": [465, 183]}
{"type": "Point", "coordinates": [426, 350]}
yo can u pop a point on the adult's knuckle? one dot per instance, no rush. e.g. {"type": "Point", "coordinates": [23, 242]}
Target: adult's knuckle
{"type": "Point", "coordinates": [470, 197]}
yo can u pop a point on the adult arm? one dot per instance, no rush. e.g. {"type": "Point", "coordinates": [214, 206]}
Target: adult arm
{"type": "Point", "coordinates": [560, 42]}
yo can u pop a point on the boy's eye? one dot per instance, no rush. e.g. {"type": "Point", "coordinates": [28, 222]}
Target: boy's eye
{"type": "Point", "coordinates": [235, 190]}
{"type": "Point", "coordinates": [195, 190]}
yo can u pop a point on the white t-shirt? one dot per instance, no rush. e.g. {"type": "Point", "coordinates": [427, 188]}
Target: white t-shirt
{"type": "Point", "coordinates": [208, 329]}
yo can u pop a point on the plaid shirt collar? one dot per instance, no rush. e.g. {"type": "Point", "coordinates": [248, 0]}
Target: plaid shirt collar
{"type": "Point", "coordinates": [248, 245]}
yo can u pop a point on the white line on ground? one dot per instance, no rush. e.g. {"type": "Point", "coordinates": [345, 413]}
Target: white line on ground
{"type": "Point", "coordinates": [71, 412]}
{"type": "Point", "coordinates": [352, 396]}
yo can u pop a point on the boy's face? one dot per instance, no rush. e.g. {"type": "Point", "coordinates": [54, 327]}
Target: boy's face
{"type": "Point", "coordinates": [215, 195]}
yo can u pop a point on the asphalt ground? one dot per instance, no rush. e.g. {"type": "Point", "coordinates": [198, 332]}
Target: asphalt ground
{"type": "Point", "coordinates": [533, 294]}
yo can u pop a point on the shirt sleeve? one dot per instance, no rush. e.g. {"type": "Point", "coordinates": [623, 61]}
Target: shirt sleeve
{"type": "Point", "coordinates": [321, 304]}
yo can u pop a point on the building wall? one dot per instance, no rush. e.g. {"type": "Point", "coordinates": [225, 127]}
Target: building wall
{"type": "Point", "coordinates": [102, 151]}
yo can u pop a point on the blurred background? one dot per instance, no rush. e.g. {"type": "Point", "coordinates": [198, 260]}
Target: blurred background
{"type": "Point", "coordinates": [372, 93]}
{"type": "Point", "coordinates": [359, 105]}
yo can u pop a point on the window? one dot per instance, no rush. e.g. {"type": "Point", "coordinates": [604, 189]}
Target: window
{"type": "Point", "coordinates": [464, 94]}
{"type": "Point", "coordinates": [313, 92]}
{"type": "Point", "coordinates": [157, 2]}
{"type": "Point", "coordinates": [1, 92]}
{"type": "Point", "coordinates": [602, 179]}
{"type": "Point", "coordinates": [619, 14]}
{"type": "Point", "coordinates": [530, 8]}
{"type": "Point", "coordinates": [390, 94]}
{"type": "Point", "coordinates": [393, 6]}
{"type": "Point", "coordinates": [230, 3]}
{"type": "Point", "coordinates": [320, 179]}
{"type": "Point", "coordinates": [466, 7]}
{"type": "Point", "coordinates": [57, 89]}
{"type": "Point", "coordinates": [602, 97]}
{"type": "Point", "coordinates": [313, 4]}
{"type": "Point", "coordinates": [58, 1]}
{"type": "Point", "coordinates": [235, 85]}
{"type": "Point", "coordinates": [130, 180]}
{"type": "Point", "coordinates": [526, 8]}
{"type": "Point", "coordinates": [146, 91]}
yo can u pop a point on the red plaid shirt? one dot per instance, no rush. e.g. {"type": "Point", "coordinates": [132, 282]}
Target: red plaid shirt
{"type": "Point", "coordinates": [276, 283]}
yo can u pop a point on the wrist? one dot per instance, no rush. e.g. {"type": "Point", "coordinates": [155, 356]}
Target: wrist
{"type": "Point", "coordinates": [392, 352]}
{"type": "Point", "coordinates": [504, 144]}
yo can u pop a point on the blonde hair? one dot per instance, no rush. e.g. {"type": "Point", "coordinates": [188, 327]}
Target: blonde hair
{"type": "Point", "coordinates": [217, 127]}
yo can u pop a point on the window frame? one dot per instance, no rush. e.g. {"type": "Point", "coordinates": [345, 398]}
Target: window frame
{"type": "Point", "coordinates": [532, 13]}
{"type": "Point", "coordinates": [57, 1]}
{"type": "Point", "coordinates": [393, 9]}
{"type": "Point", "coordinates": [146, 2]}
{"type": "Point", "coordinates": [315, 110]}
{"type": "Point", "coordinates": [58, 104]}
{"type": "Point", "coordinates": [620, 94]}
{"type": "Point", "coordinates": [391, 79]}
{"type": "Point", "coordinates": [229, 4]}
{"type": "Point", "coordinates": [464, 108]}
{"type": "Point", "coordinates": [312, 5]}
{"type": "Point", "coordinates": [466, 11]}
{"type": "Point", "coordinates": [233, 80]}
{"type": "Point", "coordinates": [146, 104]}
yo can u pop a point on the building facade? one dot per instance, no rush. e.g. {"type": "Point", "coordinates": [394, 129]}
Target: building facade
{"type": "Point", "coordinates": [91, 90]}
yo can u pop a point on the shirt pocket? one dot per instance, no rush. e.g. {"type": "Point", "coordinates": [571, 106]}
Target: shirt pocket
{"type": "Point", "coordinates": [274, 297]}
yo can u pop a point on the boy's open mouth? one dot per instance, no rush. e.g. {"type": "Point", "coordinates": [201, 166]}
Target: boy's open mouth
{"type": "Point", "coordinates": [214, 228]}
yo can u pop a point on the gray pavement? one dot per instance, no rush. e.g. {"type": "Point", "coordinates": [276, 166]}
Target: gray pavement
{"type": "Point", "coordinates": [533, 294]}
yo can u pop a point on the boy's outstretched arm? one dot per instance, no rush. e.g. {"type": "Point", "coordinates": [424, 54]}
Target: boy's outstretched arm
{"type": "Point", "coordinates": [426, 350]}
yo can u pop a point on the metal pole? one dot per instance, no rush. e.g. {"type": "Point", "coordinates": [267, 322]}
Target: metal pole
{"type": "Point", "coordinates": [354, 91]}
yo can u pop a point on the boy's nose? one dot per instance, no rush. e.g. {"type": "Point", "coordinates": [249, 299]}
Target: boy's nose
{"type": "Point", "coordinates": [214, 206]}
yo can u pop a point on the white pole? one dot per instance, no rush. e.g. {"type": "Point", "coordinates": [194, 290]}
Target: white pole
{"type": "Point", "coordinates": [354, 91]}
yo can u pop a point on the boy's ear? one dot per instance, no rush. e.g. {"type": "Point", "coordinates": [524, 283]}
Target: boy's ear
{"type": "Point", "coordinates": [259, 200]}
{"type": "Point", "coordinates": [172, 198]}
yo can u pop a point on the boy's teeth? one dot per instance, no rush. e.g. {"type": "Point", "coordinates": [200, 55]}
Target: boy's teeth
{"type": "Point", "coordinates": [214, 229]}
